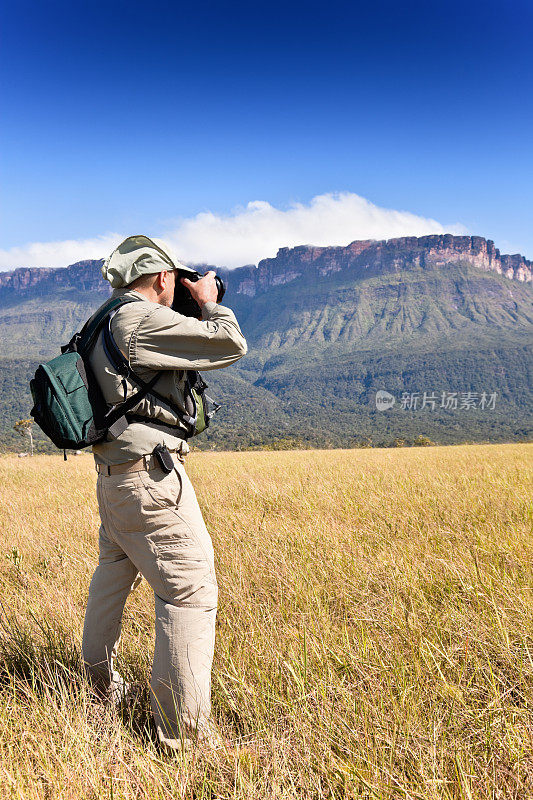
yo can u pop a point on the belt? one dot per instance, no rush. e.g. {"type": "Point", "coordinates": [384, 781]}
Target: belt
{"type": "Point", "coordinates": [138, 465]}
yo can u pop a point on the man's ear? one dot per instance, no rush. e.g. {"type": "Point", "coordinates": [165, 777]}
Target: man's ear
{"type": "Point", "coordinates": [162, 280]}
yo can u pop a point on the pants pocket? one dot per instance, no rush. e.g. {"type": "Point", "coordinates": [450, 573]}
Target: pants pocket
{"type": "Point", "coordinates": [163, 489]}
{"type": "Point", "coordinates": [187, 580]}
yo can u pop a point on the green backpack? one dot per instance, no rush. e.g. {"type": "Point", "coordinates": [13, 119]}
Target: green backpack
{"type": "Point", "coordinates": [69, 406]}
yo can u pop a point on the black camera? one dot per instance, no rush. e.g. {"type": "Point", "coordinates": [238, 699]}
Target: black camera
{"type": "Point", "coordinates": [183, 301]}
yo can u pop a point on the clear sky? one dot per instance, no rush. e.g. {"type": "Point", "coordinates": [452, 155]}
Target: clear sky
{"type": "Point", "coordinates": [127, 117]}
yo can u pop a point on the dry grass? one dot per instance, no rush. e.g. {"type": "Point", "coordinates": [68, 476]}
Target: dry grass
{"type": "Point", "coordinates": [375, 634]}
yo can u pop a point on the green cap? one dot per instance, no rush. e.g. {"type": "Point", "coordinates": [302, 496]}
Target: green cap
{"type": "Point", "coordinates": [139, 255]}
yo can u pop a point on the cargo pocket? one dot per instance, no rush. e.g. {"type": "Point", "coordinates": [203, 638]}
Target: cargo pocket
{"type": "Point", "coordinates": [186, 580]}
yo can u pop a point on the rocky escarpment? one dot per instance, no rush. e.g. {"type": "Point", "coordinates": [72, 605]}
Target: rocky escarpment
{"type": "Point", "coordinates": [84, 276]}
{"type": "Point", "coordinates": [368, 257]}
{"type": "Point", "coordinates": [360, 259]}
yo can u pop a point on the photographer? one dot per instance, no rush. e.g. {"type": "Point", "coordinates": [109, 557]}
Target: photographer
{"type": "Point", "coordinates": [151, 523]}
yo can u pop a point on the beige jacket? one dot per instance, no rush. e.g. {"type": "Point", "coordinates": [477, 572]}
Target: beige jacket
{"type": "Point", "coordinates": [155, 338]}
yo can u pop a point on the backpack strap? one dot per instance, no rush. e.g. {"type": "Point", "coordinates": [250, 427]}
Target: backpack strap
{"type": "Point", "coordinates": [82, 341]}
{"type": "Point", "coordinates": [114, 418]}
{"type": "Point", "coordinates": [122, 366]}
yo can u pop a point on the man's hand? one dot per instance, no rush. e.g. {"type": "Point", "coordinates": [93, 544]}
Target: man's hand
{"type": "Point", "coordinates": [204, 289]}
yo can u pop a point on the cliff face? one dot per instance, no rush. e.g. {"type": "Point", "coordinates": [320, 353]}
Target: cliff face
{"type": "Point", "coordinates": [361, 259]}
{"type": "Point", "coordinates": [368, 257]}
{"type": "Point", "coordinates": [84, 276]}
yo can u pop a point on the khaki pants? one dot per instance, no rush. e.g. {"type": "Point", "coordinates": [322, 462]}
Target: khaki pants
{"type": "Point", "coordinates": [152, 524]}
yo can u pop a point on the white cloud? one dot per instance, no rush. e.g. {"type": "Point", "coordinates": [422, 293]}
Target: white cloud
{"type": "Point", "coordinates": [250, 233]}
{"type": "Point", "coordinates": [258, 230]}
{"type": "Point", "coordinates": [58, 254]}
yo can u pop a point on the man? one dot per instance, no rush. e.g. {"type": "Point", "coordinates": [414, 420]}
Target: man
{"type": "Point", "coordinates": [151, 522]}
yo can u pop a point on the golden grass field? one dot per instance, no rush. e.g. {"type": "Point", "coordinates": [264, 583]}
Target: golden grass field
{"type": "Point", "coordinates": [375, 632]}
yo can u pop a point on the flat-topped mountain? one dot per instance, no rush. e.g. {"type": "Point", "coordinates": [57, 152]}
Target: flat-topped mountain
{"type": "Point", "coordinates": [327, 327]}
{"type": "Point", "coordinates": [368, 258]}
{"type": "Point", "coordinates": [84, 275]}
{"type": "Point", "coordinates": [360, 258]}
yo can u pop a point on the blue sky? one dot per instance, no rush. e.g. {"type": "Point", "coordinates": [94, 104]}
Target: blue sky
{"type": "Point", "coordinates": [127, 117]}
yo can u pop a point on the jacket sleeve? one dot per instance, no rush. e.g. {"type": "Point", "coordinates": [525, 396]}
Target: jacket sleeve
{"type": "Point", "coordinates": [165, 339]}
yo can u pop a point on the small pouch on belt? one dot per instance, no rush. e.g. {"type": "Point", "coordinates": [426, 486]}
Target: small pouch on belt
{"type": "Point", "coordinates": [163, 457]}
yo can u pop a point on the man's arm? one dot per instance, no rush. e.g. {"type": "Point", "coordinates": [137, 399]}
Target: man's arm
{"type": "Point", "coordinates": [165, 339]}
